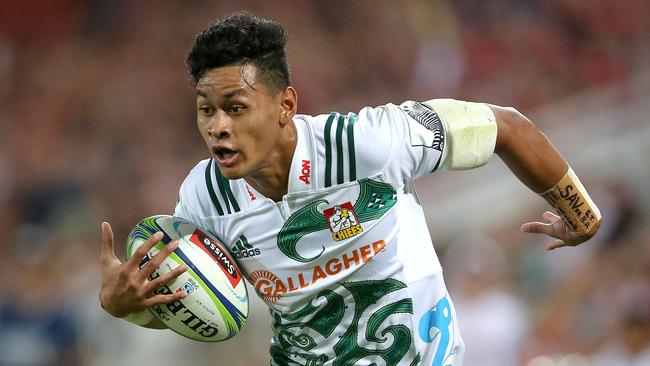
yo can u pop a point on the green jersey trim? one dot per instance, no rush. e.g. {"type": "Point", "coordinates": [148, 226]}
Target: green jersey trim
{"type": "Point", "coordinates": [208, 183]}
{"type": "Point", "coordinates": [344, 127]}
{"type": "Point", "coordinates": [339, 150]}
{"type": "Point", "coordinates": [328, 149]}
{"type": "Point", "coordinates": [226, 191]}
{"type": "Point", "coordinates": [352, 155]}
{"type": "Point", "coordinates": [296, 346]}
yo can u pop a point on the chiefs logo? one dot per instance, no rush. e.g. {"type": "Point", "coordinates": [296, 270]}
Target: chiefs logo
{"type": "Point", "coordinates": [342, 221]}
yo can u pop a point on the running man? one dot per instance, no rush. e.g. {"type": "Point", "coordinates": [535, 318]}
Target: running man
{"type": "Point", "coordinates": [370, 292]}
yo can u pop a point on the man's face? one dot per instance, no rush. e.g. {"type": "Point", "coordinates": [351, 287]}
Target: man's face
{"type": "Point", "coordinates": [240, 119]}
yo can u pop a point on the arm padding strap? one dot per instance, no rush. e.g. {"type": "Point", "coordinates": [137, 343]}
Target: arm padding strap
{"type": "Point", "coordinates": [471, 133]}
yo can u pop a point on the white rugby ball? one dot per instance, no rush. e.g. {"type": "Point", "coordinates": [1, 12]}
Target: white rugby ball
{"type": "Point", "coordinates": [216, 306]}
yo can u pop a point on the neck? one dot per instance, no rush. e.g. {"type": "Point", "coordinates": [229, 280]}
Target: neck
{"type": "Point", "coordinates": [272, 181]}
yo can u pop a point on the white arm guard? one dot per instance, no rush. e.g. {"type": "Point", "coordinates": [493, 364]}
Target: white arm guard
{"type": "Point", "coordinates": [471, 133]}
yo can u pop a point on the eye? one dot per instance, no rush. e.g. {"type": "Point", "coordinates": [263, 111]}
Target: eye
{"type": "Point", "coordinates": [235, 109]}
{"type": "Point", "coordinates": [206, 110]}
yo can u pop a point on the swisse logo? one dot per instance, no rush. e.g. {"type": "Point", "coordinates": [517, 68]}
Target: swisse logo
{"type": "Point", "coordinates": [243, 249]}
{"type": "Point", "coordinates": [306, 171]}
{"type": "Point", "coordinates": [214, 250]}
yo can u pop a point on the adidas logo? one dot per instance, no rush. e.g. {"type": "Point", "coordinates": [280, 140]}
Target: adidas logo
{"type": "Point", "coordinates": [242, 249]}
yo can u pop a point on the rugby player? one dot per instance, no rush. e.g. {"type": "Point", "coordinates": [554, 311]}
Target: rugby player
{"type": "Point", "coordinates": [336, 242]}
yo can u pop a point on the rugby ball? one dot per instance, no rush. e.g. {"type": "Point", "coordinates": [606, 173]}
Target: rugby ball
{"type": "Point", "coordinates": [216, 305]}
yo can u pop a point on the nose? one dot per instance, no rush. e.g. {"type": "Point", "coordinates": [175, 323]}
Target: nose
{"type": "Point", "coordinates": [219, 127]}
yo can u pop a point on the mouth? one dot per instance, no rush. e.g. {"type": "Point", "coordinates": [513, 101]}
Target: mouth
{"type": "Point", "coordinates": [225, 156]}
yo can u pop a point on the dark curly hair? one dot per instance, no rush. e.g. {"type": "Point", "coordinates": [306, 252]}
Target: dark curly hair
{"type": "Point", "coordinates": [242, 38]}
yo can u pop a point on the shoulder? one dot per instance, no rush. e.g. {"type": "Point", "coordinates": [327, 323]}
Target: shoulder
{"type": "Point", "coordinates": [193, 191]}
{"type": "Point", "coordinates": [355, 145]}
{"type": "Point", "coordinates": [205, 192]}
{"type": "Point", "coordinates": [335, 122]}
{"type": "Point", "coordinates": [342, 144]}
{"type": "Point", "coordinates": [195, 179]}
{"type": "Point", "coordinates": [339, 130]}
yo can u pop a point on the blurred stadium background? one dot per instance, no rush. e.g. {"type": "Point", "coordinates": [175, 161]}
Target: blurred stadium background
{"type": "Point", "coordinates": [97, 121]}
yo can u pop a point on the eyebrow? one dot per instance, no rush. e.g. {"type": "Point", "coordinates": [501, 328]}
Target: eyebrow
{"type": "Point", "coordinates": [227, 95]}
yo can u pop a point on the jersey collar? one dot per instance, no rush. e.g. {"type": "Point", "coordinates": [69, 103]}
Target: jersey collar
{"type": "Point", "coordinates": [302, 173]}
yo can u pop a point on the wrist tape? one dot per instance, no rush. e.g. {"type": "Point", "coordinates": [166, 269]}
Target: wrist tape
{"type": "Point", "coordinates": [142, 318]}
{"type": "Point", "coordinates": [572, 202]}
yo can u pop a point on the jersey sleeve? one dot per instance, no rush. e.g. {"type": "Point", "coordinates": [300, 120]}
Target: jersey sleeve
{"type": "Point", "coordinates": [393, 142]}
{"type": "Point", "coordinates": [414, 139]}
{"type": "Point", "coordinates": [182, 210]}
{"type": "Point", "coordinates": [191, 200]}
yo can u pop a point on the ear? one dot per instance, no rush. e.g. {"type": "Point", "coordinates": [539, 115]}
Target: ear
{"type": "Point", "coordinates": [288, 105]}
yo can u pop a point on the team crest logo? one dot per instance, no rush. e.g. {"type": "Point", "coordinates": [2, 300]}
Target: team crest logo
{"type": "Point", "coordinates": [186, 287]}
{"type": "Point", "coordinates": [342, 221]}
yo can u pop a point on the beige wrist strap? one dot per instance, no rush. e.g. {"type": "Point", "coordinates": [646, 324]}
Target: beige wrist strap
{"type": "Point", "coordinates": [572, 202]}
{"type": "Point", "coordinates": [142, 318]}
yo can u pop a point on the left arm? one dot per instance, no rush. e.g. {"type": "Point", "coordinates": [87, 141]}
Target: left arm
{"type": "Point", "coordinates": [537, 164]}
{"type": "Point", "coordinates": [448, 134]}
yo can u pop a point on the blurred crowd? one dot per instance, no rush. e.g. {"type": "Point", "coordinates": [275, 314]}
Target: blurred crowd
{"type": "Point", "coordinates": [97, 120]}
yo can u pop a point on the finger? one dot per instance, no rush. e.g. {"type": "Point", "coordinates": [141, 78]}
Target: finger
{"type": "Point", "coordinates": [550, 216]}
{"type": "Point", "coordinates": [164, 299]}
{"type": "Point", "coordinates": [555, 244]}
{"type": "Point", "coordinates": [137, 256]}
{"type": "Point", "coordinates": [157, 259]}
{"type": "Point", "coordinates": [107, 248]}
{"type": "Point", "coordinates": [537, 228]}
{"type": "Point", "coordinates": [152, 285]}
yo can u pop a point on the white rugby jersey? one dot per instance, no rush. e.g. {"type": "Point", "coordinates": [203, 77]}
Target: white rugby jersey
{"type": "Point", "coordinates": [345, 261]}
